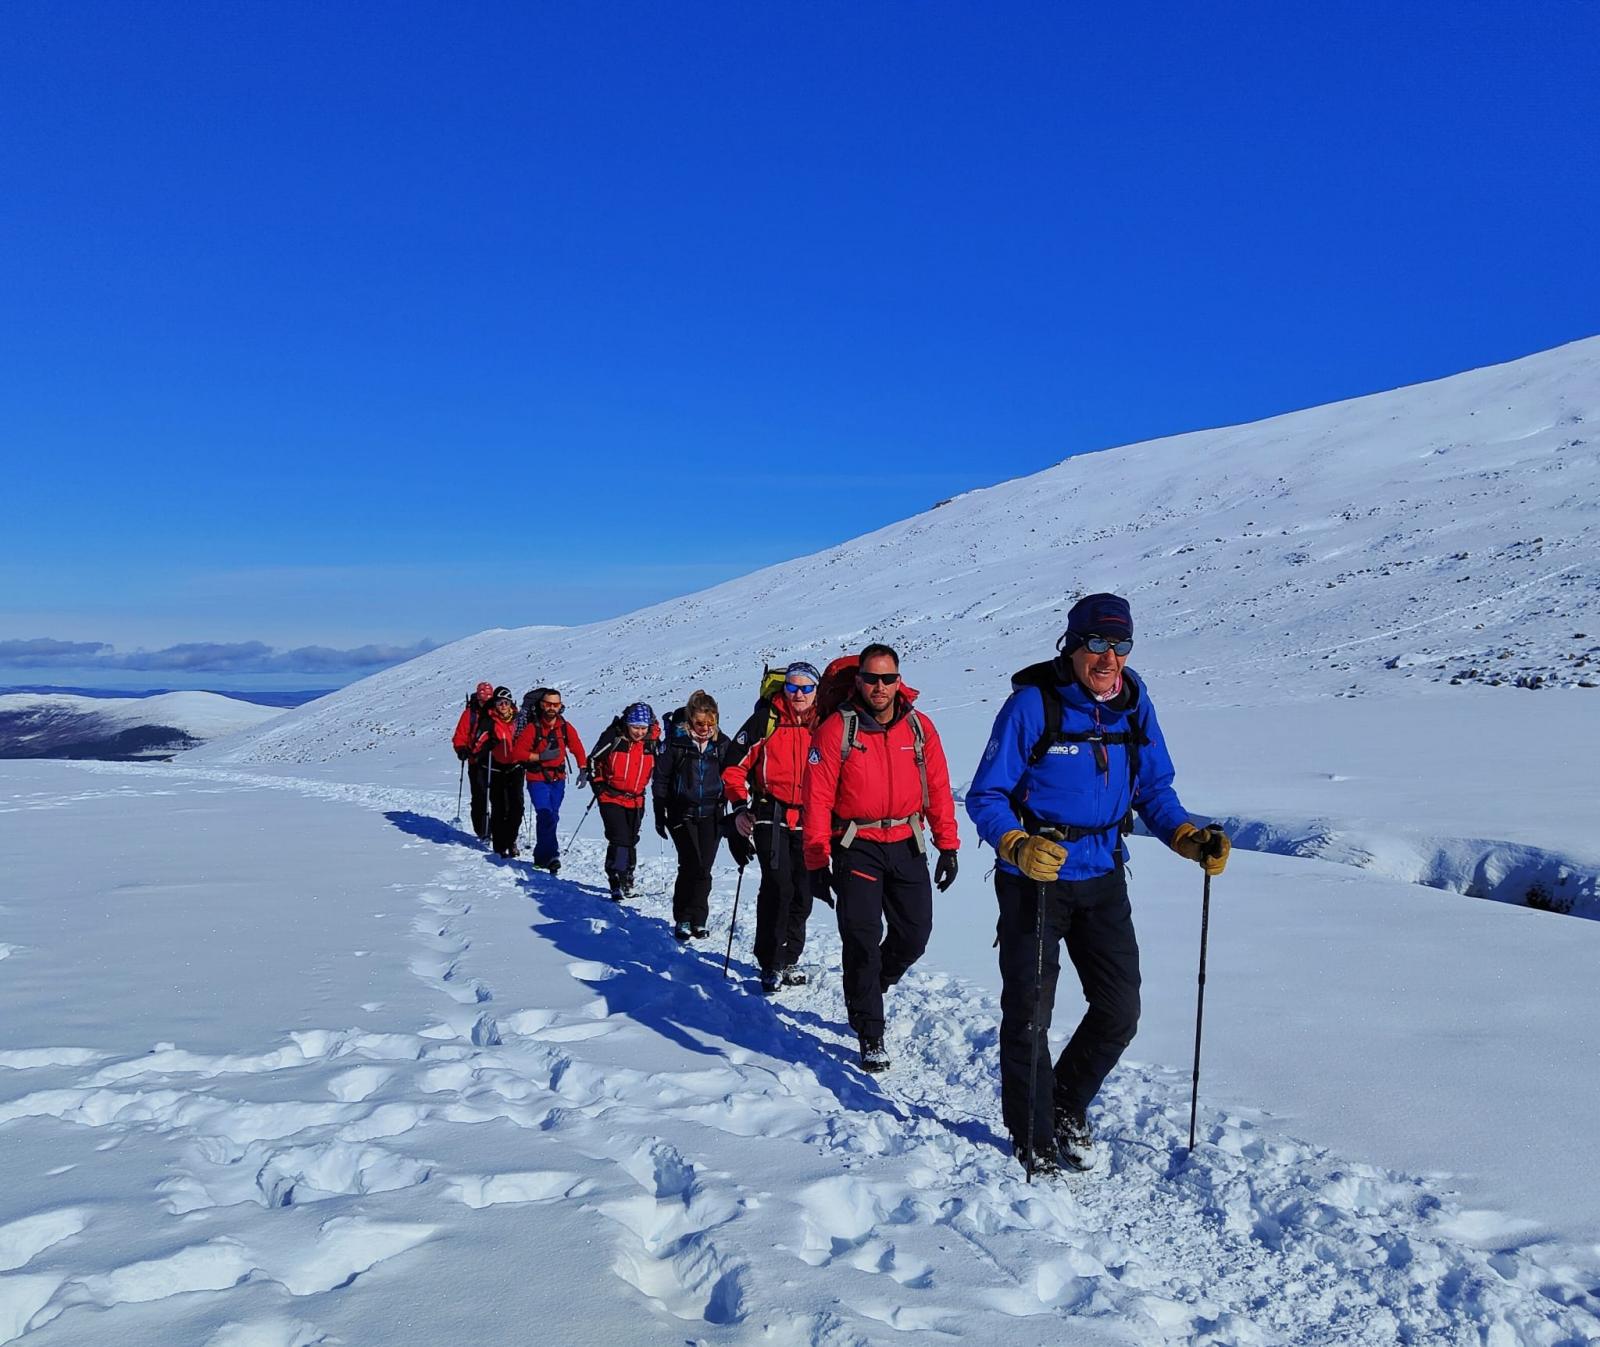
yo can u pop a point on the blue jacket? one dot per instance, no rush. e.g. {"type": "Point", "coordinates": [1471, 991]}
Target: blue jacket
{"type": "Point", "coordinates": [1067, 787]}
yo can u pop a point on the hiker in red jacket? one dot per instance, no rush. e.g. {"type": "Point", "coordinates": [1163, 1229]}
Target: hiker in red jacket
{"type": "Point", "coordinates": [503, 744]}
{"type": "Point", "coordinates": [477, 710]}
{"type": "Point", "coordinates": [762, 779]}
{"type": "Point", "coordinates": [875, 776]}
{"type": "Point", "coordinates": [553, 740]}
{"type": "Point", "coordinates": [620, 771]}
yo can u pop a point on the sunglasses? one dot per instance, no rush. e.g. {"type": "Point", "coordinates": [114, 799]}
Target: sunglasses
{"type": "Point", "coordinates": [1098, 645]}
{"type": "Point", "coordinates": [799, 689]}
{"type": "Point", "coordinates": [873, 679]}
{"type": "Point", "coordinates": [552, 706]}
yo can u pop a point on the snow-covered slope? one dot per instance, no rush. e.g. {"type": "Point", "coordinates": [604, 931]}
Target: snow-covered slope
{"type": "Point", "coordinates": [1404, 561]}
{"type": "Point", "coordinates": [60, 725]}
{"type": "Point", "coordinates": [1408, 537]}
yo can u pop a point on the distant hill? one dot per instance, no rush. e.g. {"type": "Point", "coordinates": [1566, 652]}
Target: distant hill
{"type": "Point", "coordinates": [120, 729]}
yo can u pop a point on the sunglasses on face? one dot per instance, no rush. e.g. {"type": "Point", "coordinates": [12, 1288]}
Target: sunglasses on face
{"type": "Point", "coordinates": [799, 689]}
{"type": "Point", "coordinates": [552, 706]}
{"type": "Point", "coordinates": [873, 679]}
{"type": "Point", "coordinates": [1098, 645]}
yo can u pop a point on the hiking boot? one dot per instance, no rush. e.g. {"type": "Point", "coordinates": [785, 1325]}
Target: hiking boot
{"type": "Point", "coordinates": [617, 895]}
{"type": "Point", "coordinates": [699, 933]}
{"type": "Point", "coordinates": [627, 885]}
{"type": "Point", "coordinates": [770, 980]}
{"type": "Point", "coordinates": [874, 1056]}
{"type": "Point", "coordinates": [1075, 1141]}
{"type": "Point", "coordinates": [1039, 1163]}
{"type": "Point", "coordinates": [793, 976]}
{"type": "Point", "coordinates": [554, 867]}
{"type": "Point", "coordinates": [682, 931]}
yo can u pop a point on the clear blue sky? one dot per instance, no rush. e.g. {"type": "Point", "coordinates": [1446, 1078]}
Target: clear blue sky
{"type": "Point", "coordinates": [337, 324]}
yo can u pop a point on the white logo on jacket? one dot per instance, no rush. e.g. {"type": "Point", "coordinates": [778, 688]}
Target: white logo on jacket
{"type": "Point", "coordinates": [1062, 748]}
{"type": "Point", "coordinates": [813, 757]}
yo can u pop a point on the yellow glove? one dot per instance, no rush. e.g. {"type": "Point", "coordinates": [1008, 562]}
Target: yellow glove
{"type": "Point", "coordinates": [1209, 847]}
{"type": "Point", "coordinates": [1037, 857]}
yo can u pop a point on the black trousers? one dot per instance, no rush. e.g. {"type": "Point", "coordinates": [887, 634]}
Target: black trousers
{"type": "Point", "coordinates": [697, 840]}
{"type": "Point", "coordinates": [622, 837]}
{"type": "Point", "coordinates": [783, 902]}
{"type": "Point", "coordinates": [1094, 919]}
{"type": "Point", "coordinates": [505, 806]}
{"type": "Point", "coordinates": [478, 780]}
{"type": "Point", "coordinates": [878, 884]}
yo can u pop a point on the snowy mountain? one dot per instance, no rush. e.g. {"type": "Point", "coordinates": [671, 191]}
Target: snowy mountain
{"type": "Point", "coordinates": [1413, 563]}
{"type": "Point", "coordinates": [61, 725]}
{"type": "Point", "coordinates": [286, 1059]}
{"type": "Point", "coordinates": [1448, 532]}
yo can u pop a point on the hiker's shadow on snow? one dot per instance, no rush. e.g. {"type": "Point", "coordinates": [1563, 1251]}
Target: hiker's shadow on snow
{"type": "Point", "coordinates": [678, 993]}
{"type": "Point", "coordinates": [432, 829]}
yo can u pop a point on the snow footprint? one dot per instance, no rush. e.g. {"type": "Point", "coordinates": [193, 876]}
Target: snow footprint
{"type": "Point", "coordinates": [666, 1251]}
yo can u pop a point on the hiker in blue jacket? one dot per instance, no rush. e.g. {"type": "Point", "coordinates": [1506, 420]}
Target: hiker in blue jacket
{"type": "Point", "coordinates": [1075, 752]}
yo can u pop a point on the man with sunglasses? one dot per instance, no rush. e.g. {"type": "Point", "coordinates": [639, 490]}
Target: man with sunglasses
{"type": "Point", "coordinates": [765, 764]}
{"type": "Point", "coordinates": [553, 739]}
{"type": "Point", "coordinates": [1075, 752]}
{"type": "Point", "coordinates": [875, 775]}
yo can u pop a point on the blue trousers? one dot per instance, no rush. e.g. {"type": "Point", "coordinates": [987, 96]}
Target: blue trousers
{"type": "Point", "coordinates": [545, 797]}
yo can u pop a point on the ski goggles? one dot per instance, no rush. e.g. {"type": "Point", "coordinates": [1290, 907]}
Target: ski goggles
{"type": "Point", "coordinates": [799, 689]}
{"type": "Point", "coordinates": [1098, 645]}
{"type": "Point", "coordinates": [873, 679]}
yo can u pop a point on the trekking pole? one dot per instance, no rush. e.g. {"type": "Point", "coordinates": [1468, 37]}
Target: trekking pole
{"type": "Point", "coordinates": [488, 796]}
{"type": "Point", "coordinates": [581, 821]}
{"type": "Point", "coordinates": [1200, 1006]}
{"type": "Point", "coordinates": [456, 821]}
{"type": "Point", "coordinates": [733, 920]}
{"type": "Point", "coordinates": [1038, 1015]}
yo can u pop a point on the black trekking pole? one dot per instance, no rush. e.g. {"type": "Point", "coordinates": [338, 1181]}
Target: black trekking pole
{"type": "Point", "coordinates": [733, 920]}
{"type": "Point", "coordinates": [1199, 1007]}
{"type": "Point", "coordinates": [581, 822]}
{"type": "Point", "coordinates": [1038, 1016]}
{"type": "Point", "coordinates": [456, 821]}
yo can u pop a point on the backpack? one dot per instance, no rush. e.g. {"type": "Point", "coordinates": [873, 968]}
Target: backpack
{"type": "Point", "coordinates": [1046, 676]}
{"type": "Point", "coordinates": [838, 682]}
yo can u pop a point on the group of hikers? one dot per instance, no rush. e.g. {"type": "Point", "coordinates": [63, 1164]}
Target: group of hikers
{"type": "Point", "coordinates": [834, 785]}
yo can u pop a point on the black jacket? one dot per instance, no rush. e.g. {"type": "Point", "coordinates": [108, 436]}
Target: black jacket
{"type": "Point", "coordinates": [688, 780]}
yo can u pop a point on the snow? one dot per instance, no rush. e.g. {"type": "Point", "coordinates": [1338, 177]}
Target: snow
{"type": "Point", "coordinates": [286, 1059]}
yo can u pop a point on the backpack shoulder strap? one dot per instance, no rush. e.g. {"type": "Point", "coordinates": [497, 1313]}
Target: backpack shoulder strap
{"type": "Point", "coordinates": [849, 722]}
{"type": "Point", "coordinates": [919, 739]}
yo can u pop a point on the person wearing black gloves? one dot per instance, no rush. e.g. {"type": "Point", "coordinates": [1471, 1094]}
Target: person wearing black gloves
{"type": "Point", "coordinates": [686, 788]}
{"type": "Point", "coordinates": [875, 777]}
{"type": "Point", "coordinates": [1075, 752]}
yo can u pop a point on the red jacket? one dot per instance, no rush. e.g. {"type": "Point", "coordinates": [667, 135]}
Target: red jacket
{"type": "Point", "coordinates": [878, 780]}
{"type": "Point", "coordinates": [470, 717]}
{"type": "Point", "coordinates": [508, 746]}
{"type": "Point", "coordinates": [623, 772]}
{"type": "Point", "coordinates": [551, 744]}
{"type": "Point", "coordinates": [770, 765]}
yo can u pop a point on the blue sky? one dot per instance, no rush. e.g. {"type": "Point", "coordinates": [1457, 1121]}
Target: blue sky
{"type": "Point", "coordinates": [331, 326]}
